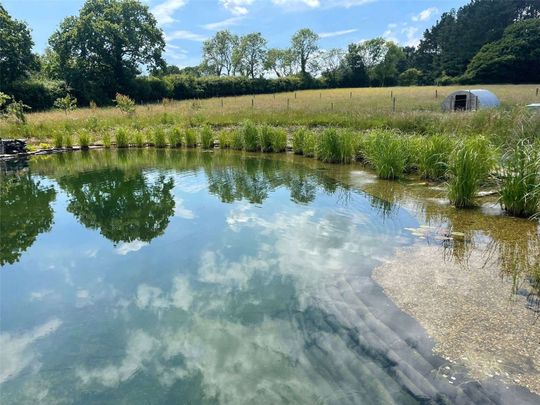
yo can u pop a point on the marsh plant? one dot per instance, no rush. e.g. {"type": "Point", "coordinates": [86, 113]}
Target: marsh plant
{"type": "Point", "coordinates": [433, 153]}
{"type": "Point", "coordinates": [190, 138]}
{"type": "Point", "coordinates": [470, 164]}
{"type": "Point", "coordinates": [279, 140]}
{"type": "Point", "coordinates": [310, 144]}
{"type": "Point", "coordinates": [138, 139]}
{"type": "Point", "coordinates": [520, 189]}
{"type": "Point", "coordinates": [250, 136]}
{"type": "Point", "coordinates": [225, 138]}
{"type": "Point", "coordinates": [84, 139]}
{"type": "Point", "coordinates": [58, 139]}
{"type": "Point", "coordinates": [335, 146]}
{"type": "Point", "coordinates": [237, 139]}
{"type": "Point", "coordinates": [175, 137]}
{"type": "Point", "coordinates": [68, 141]}
{"type": "Point", "coordinates": [159, 139]}
{"type": "Point", "coordinates": [266, 133]}
{"type": "Point", "coordinates": [206, 136]}
{"type": "Point", "coordinates": [298, 140]}
{"type": "Point", "coordinates": [106, 140]}
{"type": "Point", "coordinates": [387, 152]}
{"type": "Point", "coordinates": [122, 138]}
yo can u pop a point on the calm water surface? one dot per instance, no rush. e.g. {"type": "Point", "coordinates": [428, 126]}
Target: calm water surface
{"type": "Point", "coordinates": [189, 277]}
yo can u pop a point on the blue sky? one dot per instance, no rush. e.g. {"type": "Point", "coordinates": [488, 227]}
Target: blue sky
{"type": "Point", "coordinates": [186, 23]}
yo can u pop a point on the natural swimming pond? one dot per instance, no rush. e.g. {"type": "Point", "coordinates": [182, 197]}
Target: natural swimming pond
{"type": "Point", "coordinates": [152, 276]}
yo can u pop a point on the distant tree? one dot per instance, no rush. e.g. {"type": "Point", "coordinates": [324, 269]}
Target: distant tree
{"type": "Point", "coordinates": [515, 58]}
{"type": "Point", "coordinates": [280, 62]}
{"type": "Point", "coordinates": [249, 55]}
{"type": "Point", "coordinates": [66, 103]}
{"type": "Point", "coordinates": [329, 63]}
{"type": "Point", "coordinates": [16, 58]}
{"type": "Point", "coordinates": [381, 58]}
{"type": "Point", "coordinates": [304, 46]}
{"type": "Point", "coordinates": [101, 50]}
{"type": "Point", "coordinates": [410, 77]}
{"type": "Point", "coordinates": [353, 71]}
{"type": "Point", "coordinates": [218, 52]}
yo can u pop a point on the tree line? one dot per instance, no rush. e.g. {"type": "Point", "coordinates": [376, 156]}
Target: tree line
{"type": "Point", "coordinates": [116, 46]}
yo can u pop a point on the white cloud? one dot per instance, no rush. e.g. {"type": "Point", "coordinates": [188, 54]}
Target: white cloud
{"type": "Point", "coordinates": [125, 247]}
{"type": "Point", "coordinates": [236, 7]}
{"type": "Point", "coordinates": [149, 297]}
{"type": "Point", "coordinates": [425, 14]}
{"type": "Point", "coordinates": [219, 25]}
{"type": "Point", "coordinates": [187, 35]}
{"type": "Point", "coordinates": [411, 38]}
{"type": "Point", "coordinates": [337, 33]}
{"type": "Point", "coordinates": [164, 11]}
{"type": "Point", "coordinates": [299, 4]}
{"type": "Point", "coordinates": [16, 354]}
{"type": "Point", "coordinates": [181, 211]}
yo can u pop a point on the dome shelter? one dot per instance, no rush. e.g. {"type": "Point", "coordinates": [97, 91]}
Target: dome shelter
{"type": "Point", "coordinates": [470, 100]}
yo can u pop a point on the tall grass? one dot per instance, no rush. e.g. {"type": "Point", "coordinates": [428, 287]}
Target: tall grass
{"type": "Point", "coordinates": [250, 136]}
{"type": "Point", "coordinates": [279, 140]}
{"type": "Point", "coordinates": [106, 139]}
{"type": "Point", "coordinates": [237, 141]}
{"type": "Point", "coordinates": [470, 164]}
{"type": "Point", "coordinates": [335, 146]}
{"type": "Point", "coordinates": [84, 139]}
{"type": "Point", "coordinates": [387, 152]}
{"type": "Point", "coordinates": [68, 141]}
{"type": "Point", "coordinates": [433, 153]}
{"type": "Point", "coordinates": [310, 144]}
{"type": "Point", "coordinates": [206, 137]}
{"type": "Point", "coordinates": [520, 190]}
{"type": "Point", "coordinates": [266, 133]}
{"type": "Point", "coordinates": [159, 138]}
{"type": "Point", "coordinates": [58, 139]}
{"type": "Point", "coordinates": [138, 139]}
{"type": "Point", "coordinates": [190, 138]}
{"type": "Point", "coordinates": [175, 137]}
{"type": "Point", "coordinates": [122, 138]}
{"type": "Point", "coordinates": [225, 139]}
{"type": "Point", "coordinates": [298, 140]}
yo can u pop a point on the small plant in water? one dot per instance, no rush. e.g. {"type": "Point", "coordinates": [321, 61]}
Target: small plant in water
{"type": "Point", "coordinates": [433, 154]}
{"type": "Point", "coordinates": [298, 140]}
{"type": "Point", "coordinates": [106, 140]}
{"type": "Point", "coordinates": [387, 153]}
{"type": "Point", "coordinates": [265, 138]}
{"type": "Point", "coordinates": [58, 139]}
{"type": "Point", "coordinates": [470, 164]}
{"type": "Point", "coordinates": [237, 140]}
{"type": "Point", "coordinates": [84, 139]}
{"type": "Point", "coordinates": [279, 140]}
{"type": "Point", "coordinates": [68, 141]}
{"type": "Point", "coordinates": [175, 137]}
{"type": "Point", "coordinates": [310, 144]}
{"type": "Point", "coordinates": [250, 136]}
{"type": "Point", "coordinates": [335, 147]}
{"type": "Point", "coordinates": [122, 138]}
{"type": "Point", "coordinates": [190, 138]}
{"type": "Point", "coordinates": [138, 139]}
{"type": "Point", "coordinates": [159, 138]}
{"type": "Point", "coordinates": [206, 137]}
{"type": "Point", "coordinates": [225, 139]}
{"type": "Point", "coordinates": [520, 190]}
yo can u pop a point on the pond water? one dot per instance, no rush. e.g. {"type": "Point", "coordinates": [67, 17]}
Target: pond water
{"type": "Point", "coordinates": [148, 276]}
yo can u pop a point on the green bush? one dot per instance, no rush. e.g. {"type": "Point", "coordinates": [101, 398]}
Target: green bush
{"type": "Point", "coordinates": [107, 139]}
{"type": "Point", "coordinates": [138, 139]}
{"type": "Point", "coordinates": [225, 139]}
{"type": "Point", "coordinates": [298, 140]}
{"type": "Point", "coordinates": [159, 139]}
{"type": "Point", "coordinates": [122, 138]}
{"type": "Point", "coordinates": [84, 139]}
{"type": "Point", "coordinates": [58, 139]}
{"type": "Point", "coordinates": [190, 138]}
{"type": "Point", "coordinates": [206, 136]}
{"type": "Point", "coordinates": [335, 147]}
{"type": "Point", "coordinates": [433, 156]}
{"type": "Point", "coordinates": [68, 141]}
{"type": "Point", "coordinates": [237, 141]}
{"type": "Point", "coordinates": [310, 144]}
{"type": "Point", "coordinates": [279, 140]}
{"type": "Point", "coordinates": [470, 164]}
{"type": "Point", "coordinates": [175, 137]}
{"type": "Point", "coordinates": [266, 134]}
{"type": "Point", "coordinates": [386, 151]}
{"type": "Point", "coordinates": [520, 191]}
{"type": "Point", "coordinates": [250, 136]}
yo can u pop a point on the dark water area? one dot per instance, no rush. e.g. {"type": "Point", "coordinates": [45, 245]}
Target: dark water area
{"type": "Point", "coordinates": [153, 276]}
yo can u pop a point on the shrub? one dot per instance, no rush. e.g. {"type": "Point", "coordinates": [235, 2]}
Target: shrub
{"type": "Point", "coordinates": [68, 141]}
{"type": "Point", "coordinates": [159, 138]}
{"type": "Point", "coordinates": [107, 139]}
{"type": "Point", "coordinates": [190, 138]}
{"type": "Point", "coordinates": [310, 144]}
{"type": "Point", "coordinates": [470, 164]}
{"type": "Point", "coordinates": [298, 140]}
{"type": "Point", "coordinates": [66, 103]}
{"type": "Point", "coordinates": [225, 139]}
{"type": "Point", "coordinates": [175, 137]}
{"type": "Point", "coordinates": [387, 153]}
{"type": "Point", "coordinates": [58, 139]}
{"type": "Point", "coordinates": [138, 139]}
{"type": "Point", "coordinates": [279, 140]}
{"type": "Point", "coordinates": [250, 136]}
{"type": "Point", "coordinates": [266, 133]}
{"type": "Point", "coordinates": [122, 138]}
{"type": "Point", "coordinates": [433, 155]}
{"type": "Point", "coordinates": [335, 147]}
{"type": "Point", "coordinates": [84, 139]}
{"type": "Point", "coordinates": [237, 141]}
{"type": "Point", "coordinates": [206, 137]}
{"type": "Point", "coordinates": [520, 191]}
{"type": "Point", "coordinates": [124, 103]}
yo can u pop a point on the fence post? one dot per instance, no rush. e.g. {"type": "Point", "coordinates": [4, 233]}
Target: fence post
{"type": "Point", "coordinates": [332, 106]}
{"type": "Point", "coordinates": [391, 94]}
{"type": "Point", "coordinates": [537, 92]}
{"type": "Point", "coordinates": [274, 96]}
{"type": "Point", "coordinates": [221, 103]}
{"type": "Point", "coordinates": [252, 102]}
{"type": "Point", "coordinates": [295, 95]}
{"type": "Point", "coordinates": [350, 95]}
{"type": "Point", "coordinates": [287, 104]}
{"type": "Point", "coordinates": [436, 95]}
{"type": "Point", "coordinates": [393, 104]}
{"type": "Point", "coordinates": [320, 94]}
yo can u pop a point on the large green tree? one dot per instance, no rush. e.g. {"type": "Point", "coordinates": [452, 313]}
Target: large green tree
{"type": "Point", "coordinates": [515, 58]}
{"type": "Point", "coordinates": [16, 58]}
{"type": "Point", "coordinates": [102, 50]}
{"type": "Point", "coordinates": [249, 55]}
{"type": "Point", "coordinates": [304, 46]}
{"type": "Point", "coordinates": [218, 53]}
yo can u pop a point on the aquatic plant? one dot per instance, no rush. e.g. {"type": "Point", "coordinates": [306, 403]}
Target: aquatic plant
{"type": "Point", "coordinates": [84, 139]}
{"type": "Point", "coordinates": [520, 189]}
{"type": "Point", "coordinates": [250, 136]}
{"type": "Point", "coordinates": [266, 133]}
{"type": "Point", "coordinates": [225, 138]}
{"type": "Point", "coordinates": [175, 137]}
{"type": "Point", "coordinates": [335, 147]}
{"type": "Point", "coordinates": [279, 140]}
{"type": "Point", "coordinates": [310, 144]}
{"type": "Point", "coordinates": [206, 137]}
{"type": "Point", "coordinates": [433, 154]}
{"type": "Point", "coordinates": [237, 140]}
{"type": "Point", "coordinates": [122, 138]}
{"type": "Point", "coordinates": [106, 139]}
{"type": "Point", "coordinates": [469, 166]}
{"type": "Point", "coordinates": [387, 153]}
{"type": "Point", "coordinates": [58, 139]}
{"type": "Point", "coordinates": [298, 140]}
{"type": "Point", "coordinates": [190, 138]}
{"type": "Point", "coordinates": [159, 138]}
{"type": "Point", "coordinates": [138, 139]}
{"type": "Point", "coordinates": [68, 141]}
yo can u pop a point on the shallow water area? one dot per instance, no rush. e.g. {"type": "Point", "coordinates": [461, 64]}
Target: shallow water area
{"type": "Point", "coordinates": [165, 276]}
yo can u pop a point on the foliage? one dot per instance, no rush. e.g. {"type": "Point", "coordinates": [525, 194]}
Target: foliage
{"type": "Point", "coordinates": [387, 153]}
{"type": "Point", "coordinates": [433, 153]}
{"type": "Point", "coordinates": [190, 138]}
{"type": "Point", "coordinates": [410, 77]}
{"type": "Point", "coordinates": [138, 139]}
{"type": "Point", "coordinates": [13, 110]}
{"type": "Point", "coordinates": [66, 103]}
{"type": "Point", "coordinates": [304, 46]}
{"type": "Point", "coordinates": [124, 103]}
{"type": "Point", "coordinates": [175, 137]}
{"type": "Point", "coordinates": [250, 136]}
{"type": "Point", "coordinates": [249, 55]}
{"type": "Point", "coordinates": [58, 139]}
{"type": "Point", "coordinates": [68, 141]}
{"type": "Point", "coordinates": [335, 146]}
{"type": "Point", "coordinates": [206, 137]}
{"type": "Point", "coordinates": [218, 53]}
{"type": "Point", "coordinates": [106, 140]}
{"type": "Point", "coordinates": [520, 190]}
{"type": "Point", "coordinates": [159, 139]}
{"type": "Point", "coordinates": [225, 138]}
{"type": "Point", "coordinates": [298, 140]}
{"type": "Point", "coordinates": [122, 138]}
{"type": "Point", "coordinates": [470, 164]}
{"type": "Point", "coordinates": [84, 139]}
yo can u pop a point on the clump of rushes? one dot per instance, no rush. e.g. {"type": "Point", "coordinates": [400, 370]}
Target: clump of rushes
{"type": "Point", "coordinates": [310, 144]}
{"type": "Point", "coordinates": [159, 138]}
{"type": "Point", "coordinates": [206, 137]}
{"type": "Point", "coordinates": [58, 139]}
{"type": "Point", "coordinates": [225, 139]}
{"type": "Point", "coordinates": [298, 140]}
{"type": "Point", "coordinates": [266, 133]}
{"type": "Point", "coordinates": [138, 139]}
{"type": "Point", "coordinates": [250, 136]}
{"type": "Point", "coordinates": [279, 140]}
{"type": "Point", "coordinates": [190, 138]}
{"type": "Point", "coordinates": [387, 153]}
{"type": "Point", "coordinates": [122, 138]}
{"type": "Point", "coordinates": [175, 137]}
{"type": "Point", "coordinates": [107, 139]}
{"type": "Point", "coordinates": [433, 154]}
{"type": "Point", "coordinates": [68, 141]}
{"type": "Point", "coordinates": [470, 164]}
{"type": "Point", "coordinates": [335, 147]}
{"type": "Point", "coordinates": [237, 140]}
{"type": "Point", "coordinates": [84, 139]}
{"type": "Point", "coordinates": [520, 191]}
